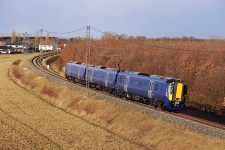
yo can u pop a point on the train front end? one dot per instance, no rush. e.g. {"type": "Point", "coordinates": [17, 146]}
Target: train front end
{"type": "Point", "coordinates": [176, 94]}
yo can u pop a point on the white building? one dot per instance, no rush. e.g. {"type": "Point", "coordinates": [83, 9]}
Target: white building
{"type": "Point", "coordinates": [47, 46]}
{"type": "Point", "coordinates": [16, 47]}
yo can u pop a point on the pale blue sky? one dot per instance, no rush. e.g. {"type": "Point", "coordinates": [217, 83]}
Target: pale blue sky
{"type": "Point", "coordinates": [150, 18]}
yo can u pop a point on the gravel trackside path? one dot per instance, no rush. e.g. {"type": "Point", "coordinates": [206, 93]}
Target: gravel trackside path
{"type": "Point", "coordinates": [27, 122]}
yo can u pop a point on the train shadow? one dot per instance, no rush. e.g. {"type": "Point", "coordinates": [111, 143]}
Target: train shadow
{"type": "Point", "coordinates": [204, 114]}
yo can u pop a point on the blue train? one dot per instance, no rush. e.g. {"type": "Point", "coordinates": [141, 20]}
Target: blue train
{"type": "Point", "coordinates": [165, 92]}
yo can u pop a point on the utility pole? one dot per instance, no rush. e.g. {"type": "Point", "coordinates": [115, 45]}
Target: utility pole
{"type": "Point", "coordinates": [87, 58]}
{"type": "Point", "coordinates": [47, 36]}
{"type": "Point", "coordinates": [24, 41]}
{"type": "Point", "coordinates": [41, 43]}
{"type": "Point", "coordinates": [36, 40]}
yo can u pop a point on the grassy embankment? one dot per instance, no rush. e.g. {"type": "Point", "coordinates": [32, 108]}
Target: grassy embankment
{"type": "Point", "coordinates": [133, 126]}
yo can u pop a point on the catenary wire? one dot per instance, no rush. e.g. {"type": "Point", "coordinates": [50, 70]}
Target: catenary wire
{"type": "Point", "coordinates": [66, 31]}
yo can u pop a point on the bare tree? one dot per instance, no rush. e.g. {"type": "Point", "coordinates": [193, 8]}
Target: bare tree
{"type": "Point", "coordinates": [13, 36]}
{"type": "Point", "coordinates": [36, 40]}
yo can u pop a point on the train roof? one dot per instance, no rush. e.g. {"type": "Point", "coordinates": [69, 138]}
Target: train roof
{"type": "Point", "coordinates": [104, 69]}
{"type": "Point", "coordinates": [134, 74]}
{"type": "Point", "coordinates": [148, 76]}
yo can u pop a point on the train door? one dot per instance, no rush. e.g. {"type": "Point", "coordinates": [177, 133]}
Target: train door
{"type": "Point", "coordinates": [78, 73]}
{"type": "Point", "coordinates": [179, 91]}
{"type": "Point", "coordinates": [107, 79]}
{"type": "Point", "coordinates": [150, 95]}
{"type": "Point", "coordinates": [126, 84]}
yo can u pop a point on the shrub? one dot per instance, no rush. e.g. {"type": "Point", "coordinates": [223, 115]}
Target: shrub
{"type": "Point", "coordinates": [50, 92]}
{"type": "Point", "coordinates": [17, 62]}
{"type": "Point", "coordinates": [16, 73]}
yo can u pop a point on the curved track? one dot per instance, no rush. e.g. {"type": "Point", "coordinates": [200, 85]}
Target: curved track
{"type": "Point", "coordinates": [37, 62]}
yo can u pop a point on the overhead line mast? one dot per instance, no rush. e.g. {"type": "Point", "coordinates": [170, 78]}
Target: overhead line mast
{"type": "Point", "coordinates": [87, 58]}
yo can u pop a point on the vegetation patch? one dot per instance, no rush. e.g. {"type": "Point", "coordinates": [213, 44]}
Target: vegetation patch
{"type": "Point", "coordinates": [49, 91]}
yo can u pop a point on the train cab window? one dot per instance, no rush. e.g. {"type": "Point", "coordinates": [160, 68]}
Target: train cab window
{"type": "Point", "coordinates": [170, 88]}
{"type": "Point", "coordinates": [156, 87]}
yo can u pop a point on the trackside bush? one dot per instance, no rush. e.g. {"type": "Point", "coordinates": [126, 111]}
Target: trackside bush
{"type": "Point", "coordinates": [17, 62]}
{"type": "Point", "coordinates": [49, 91]}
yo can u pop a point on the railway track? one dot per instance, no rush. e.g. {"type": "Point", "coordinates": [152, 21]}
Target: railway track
{"type": "Point", "coordinates": [37, 63]}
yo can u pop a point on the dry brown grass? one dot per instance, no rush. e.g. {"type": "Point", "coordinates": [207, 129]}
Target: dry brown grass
{"type": "Point", "coordinates": [16, 62]}
{"type": "Point", "coordinates": [50, 92]}
{"type": "Point", "coordinates": [133, 126]}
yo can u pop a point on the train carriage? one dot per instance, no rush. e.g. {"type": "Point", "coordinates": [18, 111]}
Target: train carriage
{"type": "Point", "coordinates": [102, 77]}
{"type": "Point", "coordinates": [134, 85]}
{"type": "Point", "coordinates": [68, 73]}
{"type": "Point", "coordinates": [75, 72]}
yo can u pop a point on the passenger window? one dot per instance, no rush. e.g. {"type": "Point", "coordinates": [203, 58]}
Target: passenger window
{"type": "Point", "coordinates": [103, 76]}
{"type": "Point", "coordinates": [131, 82]}
{"type": "Point", "coordinates": [110, 77]}
{"type": "Point", "coordinates": [100, 75]}
{"type": "Point", "coordinates": [140, 83]}
{"type": "Point", "coordinates": [136, 83]}
{"type": "Point", "coordinates": [89, 71]}
{"type": "Point", "coordinates": [156, 87]}
{"type": "Point", "coordinates": [144, 84]}
{"type": "Point", "coordinates": [121, 79]}
{"type": "Point", "coordinates": [161, 88]}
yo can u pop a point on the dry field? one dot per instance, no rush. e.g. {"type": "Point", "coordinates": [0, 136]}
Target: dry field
{"type": "Point", "coordinates": [101, 125]}
{"type": "Point", "coordinates": [28, 122]}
